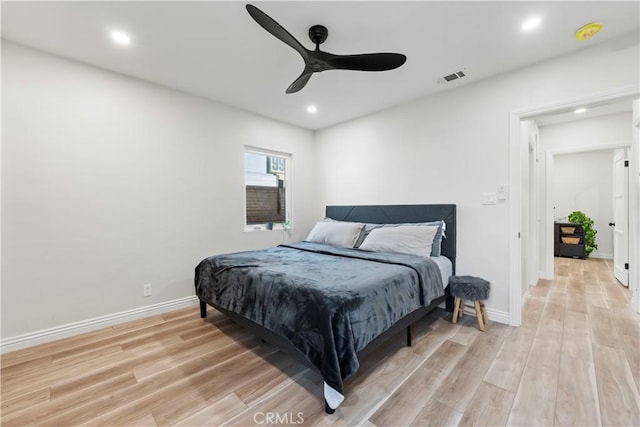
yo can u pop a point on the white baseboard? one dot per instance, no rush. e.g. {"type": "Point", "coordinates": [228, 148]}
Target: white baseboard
{"type": "Point", "coordinates": [76, 328]}
{"type": "Point", "coordinates": [494, 315]}
{"type": "Point", "coordinates": [543, 275]}
{"type": "Point", "coordinates": [525, 298]}
{"type": "Point", "coordinates": [600, 255]}
{"type": "Point", "coordinates": [498, 316]}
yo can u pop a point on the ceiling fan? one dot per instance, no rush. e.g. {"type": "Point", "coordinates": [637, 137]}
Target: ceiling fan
{"type": "Point", "coordinates": [316, 60]}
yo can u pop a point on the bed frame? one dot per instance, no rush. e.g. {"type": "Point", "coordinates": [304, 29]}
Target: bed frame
{"type": "Point", "coordinates": [381, 214]}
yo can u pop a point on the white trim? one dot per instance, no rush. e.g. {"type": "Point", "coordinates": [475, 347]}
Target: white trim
{"type": "Point", "coordinates": [525, 297]}
{"type": "Point", "coordinates": [515, 243]}
{"type": "Point", "coordinates": [549, 219]}
{"type": "Point", "coordinates": [493, 314]}
{"type": "Point", "coordinates": [634, 210]}
{"type": "Point", "coordinates": [588, 148]}
{"type": "Point", "coordinates": [626, 92]}
{"type": "Point", "coordinates": [498, 316]}
{"type": "Point", "coordinates": [533, 258]}
{"type": "Point", "coordinates": [76, 328]}
{"type": "Point", "coordinates": [515, 117]}
{"type": "Point", "coordinates": [599, 255]}
{"type": "Point", "coordinates": [543, 275]}
{"type": "Point", "coordinates": [1, 204]}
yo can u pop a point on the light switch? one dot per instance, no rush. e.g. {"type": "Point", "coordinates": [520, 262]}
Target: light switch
{"type": "Point", "coordinates": [489, 198]}
{"type": "Point", "coordinates": [502, 192]}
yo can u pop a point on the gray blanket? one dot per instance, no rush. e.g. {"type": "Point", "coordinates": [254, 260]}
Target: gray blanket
{"type": "Point", "coordinates": [328, 302]}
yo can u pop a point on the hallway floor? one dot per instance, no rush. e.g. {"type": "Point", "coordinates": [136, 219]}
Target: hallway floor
{"type": "Point", "coordinates": [585, 357]}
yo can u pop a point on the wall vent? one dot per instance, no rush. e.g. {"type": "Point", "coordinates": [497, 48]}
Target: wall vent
{"type": "Point", "coordinates": [453, 76]}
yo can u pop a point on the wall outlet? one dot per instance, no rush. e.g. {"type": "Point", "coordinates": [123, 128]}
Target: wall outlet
{"type": "Point", "coordinates": [146, 291]}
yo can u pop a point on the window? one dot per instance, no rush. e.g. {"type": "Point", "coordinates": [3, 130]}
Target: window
{"type": "Point", "coordinates": [267, 195]}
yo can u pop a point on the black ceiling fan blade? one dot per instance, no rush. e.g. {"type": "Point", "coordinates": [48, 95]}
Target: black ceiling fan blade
{"type": "Point", "coordinates": [367, 61]}
{"type": "Point", "coordinates": [318, 60]}
{"type": "Point", "coordinates": [300, 82]}
{"type": "Point", "coordinates": [269, 24]}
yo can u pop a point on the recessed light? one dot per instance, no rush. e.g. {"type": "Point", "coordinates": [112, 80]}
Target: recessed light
{"type": "Point", "coordinates": [580, 110]}
{"type": "Point", "coordinates": [120, 37]}
{"type": "Point", "coordinates": [312, 109]}
{"type": "Point", "coordinates": [531, 23]}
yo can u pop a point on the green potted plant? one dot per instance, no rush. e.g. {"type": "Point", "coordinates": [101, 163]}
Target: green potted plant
{"type": "Point", "coordinates": [590, 244]}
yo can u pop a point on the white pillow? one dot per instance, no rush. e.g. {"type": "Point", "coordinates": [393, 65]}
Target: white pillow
{"type": "Point", "coordinates": [404, 239]}
{"type": "Point", "coordinates": [342, 234]}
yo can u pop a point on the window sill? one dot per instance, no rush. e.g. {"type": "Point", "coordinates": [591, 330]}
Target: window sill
{"type": "Point", "coordinates": [263, 227]}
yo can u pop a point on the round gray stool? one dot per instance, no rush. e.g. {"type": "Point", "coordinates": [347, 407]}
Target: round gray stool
{"type": "Point", "coordinates": [472, 289]}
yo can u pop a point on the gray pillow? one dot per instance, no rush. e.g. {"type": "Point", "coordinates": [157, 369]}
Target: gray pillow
{"type": "Point", "coordinates": [436, 246]}
{"type": "Point", "coordinates": [403, 239]}
{"type": "Point", "coordinates": [360, 238]}
{"type": "Point", "coordinates": [341, 234]}
{"type": "Point", "coordinates": [437, 240]}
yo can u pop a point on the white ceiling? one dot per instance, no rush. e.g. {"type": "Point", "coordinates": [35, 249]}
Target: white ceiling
{"type": "Point", "coordinates": [216, 50]}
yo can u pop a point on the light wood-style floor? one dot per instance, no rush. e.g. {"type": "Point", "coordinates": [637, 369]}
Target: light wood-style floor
{"type": "Point", "coordinates": [574, 361]}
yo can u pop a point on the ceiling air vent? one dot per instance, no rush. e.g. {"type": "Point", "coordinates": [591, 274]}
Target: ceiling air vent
{"type": "Point", "coordinates": [453, 76]}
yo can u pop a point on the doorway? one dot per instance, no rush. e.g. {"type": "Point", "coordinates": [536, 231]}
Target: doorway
{"type": "Point", "coordinates": [584, 179]}
{"type": "Point", "coordinates": [520, 239]}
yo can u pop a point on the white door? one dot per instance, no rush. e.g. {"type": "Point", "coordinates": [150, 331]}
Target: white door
{"type": "Point", "coordinates": [621, 217]}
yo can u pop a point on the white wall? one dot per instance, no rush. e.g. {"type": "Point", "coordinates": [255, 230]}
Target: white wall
{"type": "Point", "coordinates": [109, 183]}
{"type": "Point", "coordinates": [452, 147]}
{"type": "Point", "coordinates": [588, 133]}
{"type": "Point", "coordinates": [597, 132]}
{"type": "Point", "coordinates": [584, 182]}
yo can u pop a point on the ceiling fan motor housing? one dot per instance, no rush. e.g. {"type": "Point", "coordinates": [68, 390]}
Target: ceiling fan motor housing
{"type": "Point", "coordinates": [318, 34]}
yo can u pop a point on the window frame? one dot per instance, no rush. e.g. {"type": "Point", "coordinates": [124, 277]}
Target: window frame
{"type": "Point", "coordinates": [288, 189]}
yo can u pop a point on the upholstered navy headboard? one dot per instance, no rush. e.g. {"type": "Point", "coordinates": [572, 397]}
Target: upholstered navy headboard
{"type": "Point", "coordinates": [395, 214]}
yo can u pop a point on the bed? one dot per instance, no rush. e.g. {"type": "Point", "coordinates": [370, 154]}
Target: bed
{"type": "Point", "coordinates": [325, 305]}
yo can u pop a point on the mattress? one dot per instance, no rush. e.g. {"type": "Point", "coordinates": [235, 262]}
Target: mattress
{"type": "Point", "coordinates": [446, 268]}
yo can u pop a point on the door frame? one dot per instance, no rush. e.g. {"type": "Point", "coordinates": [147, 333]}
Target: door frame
{"type": "Point", "coordinates": [547, 268]}
{"type": "Point", "coordinates": [515, 183]}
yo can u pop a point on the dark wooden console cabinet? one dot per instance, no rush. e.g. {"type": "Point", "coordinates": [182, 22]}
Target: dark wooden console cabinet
{"type": "Point", "coordinates": [562, 247]}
